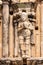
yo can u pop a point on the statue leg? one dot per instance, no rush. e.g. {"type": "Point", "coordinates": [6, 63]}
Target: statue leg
{"type": "Point", "coordinates": [21, 42]}
{"type": "Point", "coordinates": [28, 47]}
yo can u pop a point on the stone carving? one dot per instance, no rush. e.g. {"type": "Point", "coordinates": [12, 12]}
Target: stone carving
{"type": "Point", "coordinates": [5, 26]}
{"type": "Point", "coordinates": [15, 23]}
{"type": "Point", "coordinates": [24, 33]}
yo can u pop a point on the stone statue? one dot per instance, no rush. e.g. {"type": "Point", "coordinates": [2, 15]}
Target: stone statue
{"type": "Point", "coordinates": [24, 33]}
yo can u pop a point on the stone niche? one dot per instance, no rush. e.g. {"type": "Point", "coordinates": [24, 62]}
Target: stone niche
{"type": "Point", "coordinates": [27, 8]}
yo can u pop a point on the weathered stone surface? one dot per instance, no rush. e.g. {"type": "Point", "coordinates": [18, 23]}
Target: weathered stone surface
{"type": "Point", "coordinates": [17, 40]}
{"type": "Point", "coordinates": [11, 37]}
{"type": "Point", "coordinates": [42, 28]}
{"type": "Point", "coordinates": [5, 29]}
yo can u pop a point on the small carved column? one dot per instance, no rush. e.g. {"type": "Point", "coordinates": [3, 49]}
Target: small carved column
{"type": "Point", "coordinates": [33, 20]}
{"type": "Point", "coordinates": [11, 43]}
{"type": "Point", "coordinates": [5, 28]}
{"type": "Point", "coordinates": [0, 38]}
{"type": "Point", "coordinates": [42, 28]}
{"type": "Point", "coordinates": [0, 32]}
{"type": "Point", "coordinates": [16, 38]}
{"type": "Point", "coordinates": [37, 31]}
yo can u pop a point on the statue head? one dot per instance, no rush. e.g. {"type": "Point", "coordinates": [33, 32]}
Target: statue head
{"type": "Point", "coordinates": [24, 16]}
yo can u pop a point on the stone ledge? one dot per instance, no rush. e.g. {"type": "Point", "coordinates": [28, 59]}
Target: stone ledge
{"type": "Point", "coordinates": [20, 59]}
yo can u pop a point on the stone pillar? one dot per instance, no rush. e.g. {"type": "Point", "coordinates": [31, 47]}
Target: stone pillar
{"type": "Point", "coordinates": [0, 38]}
{"type": "Point", "coordinates": [33, 33]}
{"type": "Point", "coordinates": [42, 29]}
{"type": "Point", "coordinates": [11, 39]}
{"type": "Point", "coordinates": [37, 32]}
{"type": "Point", "coordinates": [0, 32]}
{"type": "Point", "coordinates": [16, 39]}
{"type": "Point", "coordinates": [5, 28]}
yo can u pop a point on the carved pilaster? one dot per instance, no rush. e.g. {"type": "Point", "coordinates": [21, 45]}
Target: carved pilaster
{"type": "Point", "coordinates": [42, 28]}
{"type": "Point", "coordinates": [37, 31]}
{"type": "Point", "coordinates": [16, 39]}
{"type": "Point", "coordinates": [0, 32]}
{"type": "Point", "coordinates": [5, 27]}
{"type": "Point", "coordinates": [11, 37]}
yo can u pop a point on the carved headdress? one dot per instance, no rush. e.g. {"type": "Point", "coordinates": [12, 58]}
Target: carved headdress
{"type": "Point", "coordinates": [24, 16]}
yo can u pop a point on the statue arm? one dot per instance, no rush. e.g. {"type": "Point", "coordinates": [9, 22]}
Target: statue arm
{"type": "Point", "coordinates": [28, 26]}
{"type": "Point", "coordinates": [31, 27]}
{"type": "Point", "coordinates": [20, 27]}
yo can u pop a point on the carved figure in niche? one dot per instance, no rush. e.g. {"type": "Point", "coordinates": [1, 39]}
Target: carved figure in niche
{"type": "Point", "coordinates": [24, 32]}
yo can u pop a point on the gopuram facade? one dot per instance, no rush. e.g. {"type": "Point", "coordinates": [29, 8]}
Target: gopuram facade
{"type": "Point", "coordinates": [21, 32]}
